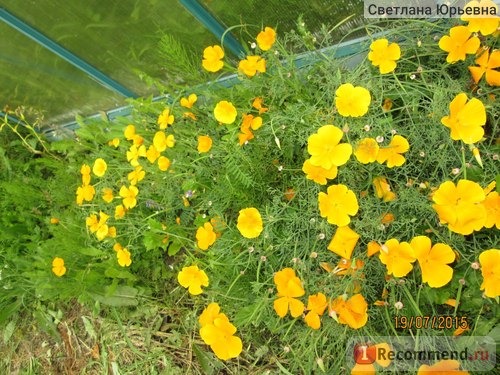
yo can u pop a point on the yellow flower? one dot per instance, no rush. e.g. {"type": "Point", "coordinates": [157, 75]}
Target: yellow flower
{"type": "Point", "coordinates": [367, 150]}
{"type": "Point", "coordinates": [160, 141]}
{"type": "Point", "coordinates": [84, 193]}
{"type": "Point", "coordinates": [129, 195]}
{"type": "Point", "coordinates": [209, 314]}
{"type": "Point", "coordinates": [250, 121]}
{"type": "Point", "coordinates": [353, 312]}
{"type": "Point", "coordinates": [383, 189]}
{"type": "Point", "coordinates": [107, 195]}
{"type": "Point", "coordinates": [338, 204]}
{"type": "Point", "coordinates": [249, 222]}
{"type": "Point", "coordinates": [458, 44]}
{"type": "Point", "coordinates": [124, 258]}
{"type": "Point", "coordinates": [257, 104]}
{"type": "Point", "coordinates": [85, 172]}
{"type": "Point", "coordinates": [398, 257]}
{"type": "Point", "coordinates": [343, 242]}
{"type": "Point", "coordinates": [445, 366]}
{"type": "Point", "coordinates": [289, 289]}
{"type": "Point", "coordinates": [54, 220]}
{"type": "Point", "coordinates": [392, 153]}
{"type": "Point", "coordinates": [189, 101]}
{"type": "Point", "coordinates": [325, 149]}
{"type": "Point", "coordinates": [165, 119]}
{"type": "Point", "coordinates": [204, 143]}
{"type": "Point", "coordinates": [352, 101]}
{"type": "Point", "coordinates": [212, 58]}
{"type": "Point", "coordinates": [485, 26]}
{"type": "Point", "coordinates": [205, 236]}
{"type": "Point", "coordinates": [220, 336]}
{"type": "Point", "coordinates": [492, 206]}
{"type": "Point", "coordinates": [460, 206]}
{"type": "Point", "coordinates": [129, 132]}
{"type": "Point", "coordinates": [384, 55]}
{"type": "Point", "coordinates": [111, 232]}
{"type": "Point", "coordinates": [266, 38]}
{"type": "Point", "coordinates": [190, 115]}
{"type": "Point", "coordinates": [251, 65]}
{"type": "Point", "coordinates": [138, 140]}
{"type": "Point", "coordinates": [120, 211]}
{"type": "Point", "coordinates": [433, 261]}
{"type": "Point", "coordinates": [98, 226]}
{"type": "Point", "coordinates": [487, 63]}
{"type": "Point", "coordinates": [152, 154]}
{"type": "Point", "coordinates": [319, 174]}
{"type": "Point", "coordinates": [316, 304]}
{"type": "Point", "coordinates": [372, 248]}
{"type": "Point", "coordinates": [58, 267]}
{"type": "Point", "coordinates": [466, 119]}
{"type": "Point", "coordinates": [136, 175]}
{"type": "Point", "coordinates": [134, 153]}
{"type": "Point", "coordinates": [490, 269]}
{"type": "Point", "coordinates": [115, 142]}
{"type": "Point", "coordinates": [244, 137]}
{"type": "Point", "coordinates": [163, 163]}
{"type": "Point", "coordinates": [225, 112]}
{"type": "Point", "coordinates": [192, 278]}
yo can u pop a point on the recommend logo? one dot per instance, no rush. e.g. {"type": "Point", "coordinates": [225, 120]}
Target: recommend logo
{"type": "Point", "coordinates": [438, 353]}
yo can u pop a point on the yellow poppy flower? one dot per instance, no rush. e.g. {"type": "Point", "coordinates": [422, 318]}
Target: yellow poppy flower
{"type": "Point", "coordinates": [392, 153]}
{"type": "Point", "coordinates": [490, 269]}
{"type": "Point", "coordinates": [383, 189]}
{"type": "Point", "coordinates": [136, 175]}
{"type": "Point", "coordinates": [257, 104]}
{"type": "Point", "coordinates": [266, 38]}
{"type": "Point", "coordinates": [353, 312]}
{"type": "Point", "coordinates": [251, 65]}
{"type": "Point", "coordinates": [222, 342]}
{"type": "Point", "coordinates": [250, 222]}
{"type": "Point", "coordinates": [466, 119]}
{"type": "Point", "coordinates": [458, 44]}
{"type": "Point", "coordinates": [134, 153]}
{"type": "Point", "coordinates": [165, 119]}
{"type": "Point", "coordinates": [193, 278]}
{"type": "Point", "coordinates": [492, 205]}
{"type": "Point", "coordinates": [433, 261]}
{"type": "Point", "coordinates": [212, 58]}
{"type": "Point", "coordinates": [204, 143]}
{"type": "Point", "coordinates": [123, 257]}
{"type": "Point", "coordinates": [460, 206]}
{"type": "Point", "coordinates": [152, 154]}
{"type": "Point", "coordinates": [160, 141]}
{"type": "Point", "coordinates": [366, 150]}
{"type": "Point", "coordinates": [107, 195]}
{"type": "Point", "coordinates": [129, 132]}
{"type": "Point", "coordinates": [352, 101]}
{"type": "Point", "coordinates": [343, 242]}
{"type": "Point", "coordinates": [120, 211]}
{"type": "Point", "coordinates": [485, 26]}
{"type": "Point", "coordinates": [84, 193]}
{"type": "Point", "coordinates": [250, 121]}
{"type": "Point", "coordinates": [115, 142]}
{"type": "Point", "coordinates": [225, 112]}
{"type": "Point", "coordinates": [372, 248]}
{"type": "Point", "coordinates": [384, 55]}
{"type": "Point", "coordinates": [209, 314]}
{"type": "Point", "coordinates": [397, 257]}
{"type": "Point", "coordinates": [316, 306]}
{"type": "Point", "coordinates": [288, 284]}
{"type": "Point", "coordinates": [85, 172]}
{"type": "Point", "coordinates": [129, 195]}
{"type": "Point", "coordinates": [189, 101]}
{"type": "Point", "coordinates": [54, 220]}
{"type": "Point", "coordinates": [205, 236]}
{"type": "Point", "coordinates": [58, 267]}
{"type": "Point", "coordinates": [487, 65]}
{"type": "Point", "coordinates": [163, 163]}
{"type": "Point", "coordinates": [338, 204]}
{"type": "Point", "coordinates": [319, 174]}
{"type": "Point", "coordinates": [325, 148]}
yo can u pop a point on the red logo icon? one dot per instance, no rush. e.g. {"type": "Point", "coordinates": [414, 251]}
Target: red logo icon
{"type": "Point", "coordinates": [364, 354]}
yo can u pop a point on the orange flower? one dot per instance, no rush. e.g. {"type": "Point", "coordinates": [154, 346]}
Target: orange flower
{"type": "Point", "coordinates": [373, 248]}
{"type": "Point", "coordinates": [343, 242]}
{"type": "Point", "coordinates": [458, 44]}
{"type": "Point", "coordinates": [353, 312]}
{"type": "Point", "coordinates": [212, 58]}
{"type": "Point", "coordinates": [251, 65]}
{"type": "Point", "coordinates": [316, 304]}
{"type": "Point", "coordinates": [485, 26]}
{"type": "Point", "coordinates": [490, 269]}
{"type": "Point", "coordinates": [257, 104]}
{"type": "Point", "coordinates": [383, 189]}
{"type": "Point", "coordinates": [325, 148]}
{"type": "Point", "coordinates": [487, 63]}
{"type": "Point", "coordinates": [189, 101]}
{"type": "Point", "coordinates": [318, 174]}
{"type": "Point", "coordinates": [289, 288]}
{"type": "Point", "coordinates": [398, 257]}
{"type": "Point", "coordinates": [266, 38]}
{"type": "Point", "coordinates": [444, 367]}
{"type": "Point", "coordinates": [433, 261]}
